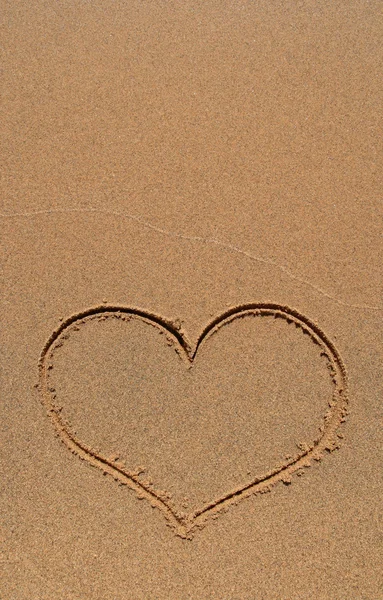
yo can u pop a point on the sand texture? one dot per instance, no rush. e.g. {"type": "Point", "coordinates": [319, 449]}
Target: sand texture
{"type": "Point", "coordinates": [192, 300]}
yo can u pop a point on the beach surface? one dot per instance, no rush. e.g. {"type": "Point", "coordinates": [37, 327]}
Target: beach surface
{"type": "Point", "coordinates": [192, 300]}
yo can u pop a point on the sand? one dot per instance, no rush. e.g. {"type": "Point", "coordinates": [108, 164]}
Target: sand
{"type": "Point", "coordinates": [192, 301]}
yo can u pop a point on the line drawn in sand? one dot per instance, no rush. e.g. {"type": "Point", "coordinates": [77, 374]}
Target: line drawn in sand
{"type": "Point", "coordinates": [185, 524]}
{"type": "Point", "coordinates": [193, 238]}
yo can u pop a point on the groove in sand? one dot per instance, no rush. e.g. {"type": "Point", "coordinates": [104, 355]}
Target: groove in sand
{"type": "Point", "coordinates": [185, 524]}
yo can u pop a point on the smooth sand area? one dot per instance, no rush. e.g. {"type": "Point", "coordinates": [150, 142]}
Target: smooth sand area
{"type": "Point", "coordinates": [192, 304]}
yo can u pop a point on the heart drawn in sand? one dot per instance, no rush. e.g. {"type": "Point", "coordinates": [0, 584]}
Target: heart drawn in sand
{"type": "Point", "coordinates": [230, 488]}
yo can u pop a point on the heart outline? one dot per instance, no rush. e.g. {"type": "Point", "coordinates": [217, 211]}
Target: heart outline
{"type": "Point", "coordinates": [185, 524]}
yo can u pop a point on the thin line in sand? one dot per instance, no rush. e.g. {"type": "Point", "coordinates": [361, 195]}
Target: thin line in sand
{"type": "Point", "coordinates": [185, 524]}
{"type": "Point", "coordinates": [191, 238]}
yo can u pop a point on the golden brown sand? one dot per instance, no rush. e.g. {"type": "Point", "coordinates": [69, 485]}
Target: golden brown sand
{"type": "Point", "coordinates": [192, 303]}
